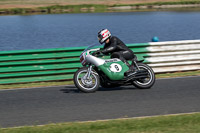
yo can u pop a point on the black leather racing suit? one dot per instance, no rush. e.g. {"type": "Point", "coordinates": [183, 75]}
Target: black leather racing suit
{"type": "Point", "coordinates": [118, 50]}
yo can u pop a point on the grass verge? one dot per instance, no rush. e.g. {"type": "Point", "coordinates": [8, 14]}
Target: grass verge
{"type": "Point", "coordinates": [182, 2]}
{"type": "Point", "coordinates": [60, 83]}
{"type": "Point", "coordinates": [178, 74]}
{"type": "Point", "coordinates": [188, 123]}
{"type": "Point", "coordinates": [56, 7]}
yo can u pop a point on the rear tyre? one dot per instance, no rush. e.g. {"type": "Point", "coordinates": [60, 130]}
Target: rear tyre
{"type": "Point", "coordinates": [85, 84]}
{"type": "Point", "coordinates": [145, 83]}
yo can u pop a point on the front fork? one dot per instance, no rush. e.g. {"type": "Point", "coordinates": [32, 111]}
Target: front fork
{"type": "Point", "coordinates": [89, 72]}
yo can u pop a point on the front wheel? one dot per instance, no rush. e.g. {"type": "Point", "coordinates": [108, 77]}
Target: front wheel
{"type": "Point", "coordinates": [84, 82]}
{"type": "Point", "coordinates": [148, 82]}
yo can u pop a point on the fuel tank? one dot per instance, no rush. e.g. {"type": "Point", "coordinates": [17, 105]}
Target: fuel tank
{"type": "Point", "coordinates": [114, 68]}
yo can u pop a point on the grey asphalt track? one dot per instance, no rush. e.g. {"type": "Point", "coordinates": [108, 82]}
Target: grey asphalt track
{"type": "Point", "coordinates": [66, 104]}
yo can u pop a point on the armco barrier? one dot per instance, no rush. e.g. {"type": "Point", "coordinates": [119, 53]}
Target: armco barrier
{"type": "Point", "coordinates": [60, 63]}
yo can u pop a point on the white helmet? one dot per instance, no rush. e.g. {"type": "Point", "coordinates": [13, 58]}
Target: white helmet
{"type": "Point", "coordinates": [103, 35]}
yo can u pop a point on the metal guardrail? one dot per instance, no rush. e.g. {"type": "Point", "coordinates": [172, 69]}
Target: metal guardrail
{"type": "Point", "coordinates": [59, 64]}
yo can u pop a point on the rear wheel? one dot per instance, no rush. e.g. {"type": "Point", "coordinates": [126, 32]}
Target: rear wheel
{"type": "Point", "coordinates": [85, 83]}
{"type": "Point", "coordinates": [148, 82]}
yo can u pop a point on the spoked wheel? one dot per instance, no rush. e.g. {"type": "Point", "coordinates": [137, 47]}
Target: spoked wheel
{"type": "Point", "coordinates": [84, 82]}
{"type": "Point", "coordinates": [147, 82]}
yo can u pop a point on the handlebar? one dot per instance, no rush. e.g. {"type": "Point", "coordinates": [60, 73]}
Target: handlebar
{"type": "Point", "coordinates": [97, 53]}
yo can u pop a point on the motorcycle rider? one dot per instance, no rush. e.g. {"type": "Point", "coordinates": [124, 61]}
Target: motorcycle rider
{"type": "Point", "coordinates": [115, 47]}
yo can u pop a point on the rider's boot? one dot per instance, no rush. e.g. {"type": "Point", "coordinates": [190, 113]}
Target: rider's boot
{"type": "Point", "coordinates": [131, 68]}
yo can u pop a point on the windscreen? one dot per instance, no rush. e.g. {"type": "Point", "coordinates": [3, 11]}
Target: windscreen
{"type": "Point", "coordinates": [93, 46]}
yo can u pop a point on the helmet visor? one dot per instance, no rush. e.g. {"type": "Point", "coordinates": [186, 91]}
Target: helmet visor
{"type": "Point", "coordinates": [100, 37]}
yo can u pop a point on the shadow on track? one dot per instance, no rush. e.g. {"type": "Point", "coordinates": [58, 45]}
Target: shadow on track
{"type": "Point", "coordinates": [73, 89]}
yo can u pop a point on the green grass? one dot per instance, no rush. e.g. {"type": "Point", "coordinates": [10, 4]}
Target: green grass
{"type": "Point", "coordinates": [188, 123]}
{"type": "Point", "coordinates": [184, 2]}
{"type": "Point", "coordinates": [56, 7]}
{"type": "Point", "coordinates": [75, 8]}
{"type": "Point", "coordinates": [178, 74]}
{"type": "Point", "coordinates": [61, 83]}
{"type": "Point", "coordinates": [37, 84]}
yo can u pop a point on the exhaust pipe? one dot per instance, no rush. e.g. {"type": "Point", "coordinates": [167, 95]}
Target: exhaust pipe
{"type": "Point", "coordinates": [137, 75]}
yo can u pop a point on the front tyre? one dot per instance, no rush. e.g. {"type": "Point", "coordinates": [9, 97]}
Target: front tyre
{"type": "Point", "coordinates": [85, 84]}
{"type": "Point", "coordinates": [148, 82]}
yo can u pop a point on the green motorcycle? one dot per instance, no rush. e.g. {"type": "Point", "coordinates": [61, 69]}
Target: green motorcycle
{"type": "Point", "coordinates": [110, 73]}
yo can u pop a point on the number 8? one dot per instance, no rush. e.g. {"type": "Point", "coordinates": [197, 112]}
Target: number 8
{"type": "Point", "coordinates": [117, 68]}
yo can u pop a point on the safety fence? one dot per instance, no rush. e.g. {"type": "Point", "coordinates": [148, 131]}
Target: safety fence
{"type": "Point", "coordinates": [59, 64]}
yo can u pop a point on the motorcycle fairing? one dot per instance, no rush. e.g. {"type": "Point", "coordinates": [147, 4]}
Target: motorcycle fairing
{"type": "Point", "coordinates": [114, 69]}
